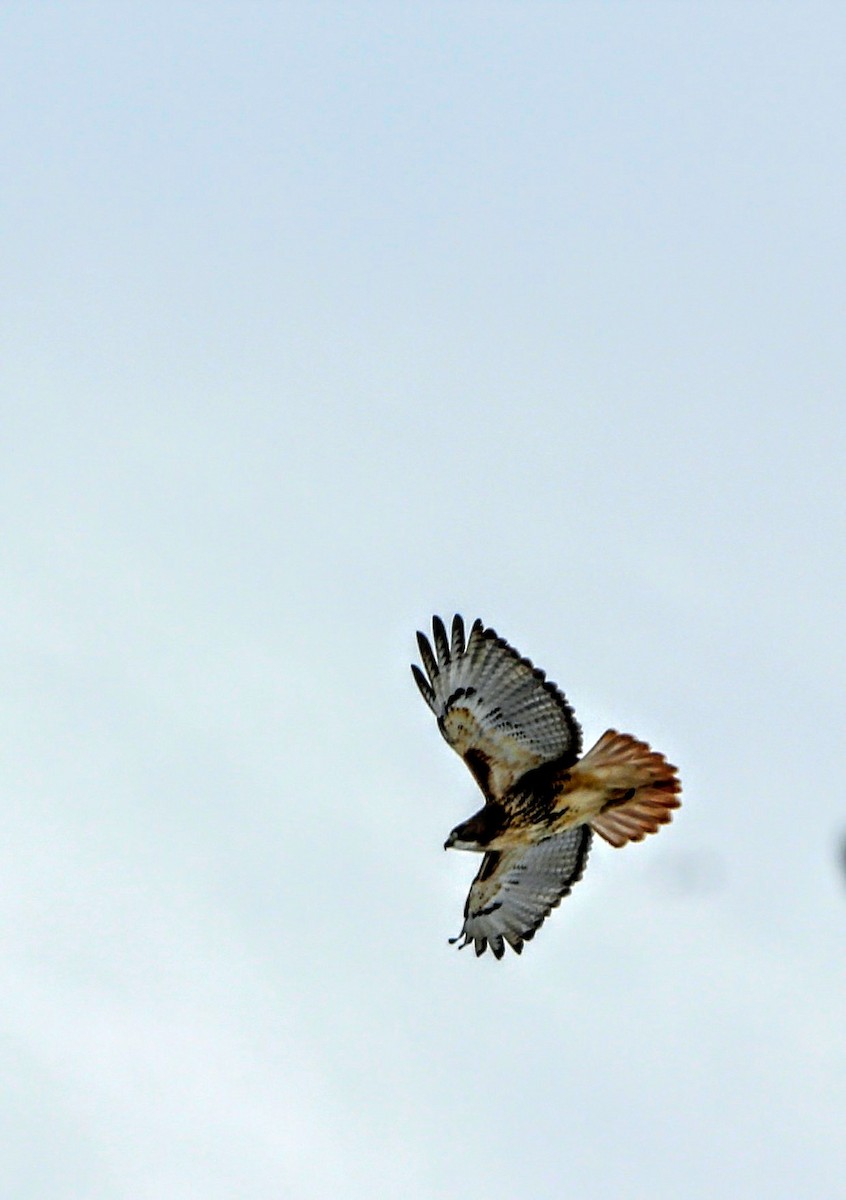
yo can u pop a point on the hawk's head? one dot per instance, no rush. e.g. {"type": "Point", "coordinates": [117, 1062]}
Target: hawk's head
{"type": "Point", "coordinates": [479, 831]}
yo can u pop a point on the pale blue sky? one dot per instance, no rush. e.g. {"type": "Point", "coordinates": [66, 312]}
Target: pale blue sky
{"type": "Point", "coordinates": [318, 319]}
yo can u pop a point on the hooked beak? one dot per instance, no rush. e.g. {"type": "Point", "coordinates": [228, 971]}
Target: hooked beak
{"type": "Point", "coordinates": [450, 841]}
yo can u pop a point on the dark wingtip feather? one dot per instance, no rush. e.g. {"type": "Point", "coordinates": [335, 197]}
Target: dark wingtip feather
{"type": "Point", "coordinates": [427, 656]}
{"type": "Point", "coordinates": [425, 691]}
{"type": "Point", "coordinates": [476, 631]}
{"type": "Point", "coordinates": [441, 643]}
{"type": "Point", "coordinates": [457, 646]}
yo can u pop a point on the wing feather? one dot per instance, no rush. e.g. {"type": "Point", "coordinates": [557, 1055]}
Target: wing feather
{"type": "Point", "coordinates": [441, 643]}
{"type": "Point", "coordinates": [515, 890]}
{"type": "Point", "coordinates": [425, 690]}
{"type": "Point", "coordinates": [496, 709]}
{"type": "Point", "coordinates": [457, 646]}
{"type": "Point", "coordinates": [429, 660]}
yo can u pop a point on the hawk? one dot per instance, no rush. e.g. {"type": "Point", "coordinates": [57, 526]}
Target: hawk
{"type": "Point", "coordinates": [521, 741]}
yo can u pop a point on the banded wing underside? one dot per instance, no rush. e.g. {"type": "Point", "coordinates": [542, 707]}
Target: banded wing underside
{"type": "Point", "coordinates": [497, 710]}
{"type": "Point", "coordinates": [515, 890]}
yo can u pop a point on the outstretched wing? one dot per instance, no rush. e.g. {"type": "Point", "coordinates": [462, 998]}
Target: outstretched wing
{"type": "Point", "coordinates": [500, 713]}
{"type": "Point", "coordinates": [515, 890]}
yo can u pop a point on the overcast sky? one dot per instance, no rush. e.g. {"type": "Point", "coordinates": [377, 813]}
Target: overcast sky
{"type": "Point", "coordinates": [318, 319]}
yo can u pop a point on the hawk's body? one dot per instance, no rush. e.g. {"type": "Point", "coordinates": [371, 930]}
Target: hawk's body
{"type": "Point", "coordinates": [518, 736]}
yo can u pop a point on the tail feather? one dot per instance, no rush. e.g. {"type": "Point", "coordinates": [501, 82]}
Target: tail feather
{"type": "Point", "coordinates": [641, 787]}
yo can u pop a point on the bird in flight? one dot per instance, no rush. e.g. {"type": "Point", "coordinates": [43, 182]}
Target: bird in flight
{"type": "Point", "coordinates": [521, 741]}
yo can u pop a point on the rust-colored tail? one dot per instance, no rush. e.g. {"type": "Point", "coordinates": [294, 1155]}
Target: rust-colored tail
{"type": "Point", "coordinates": [641, 787]}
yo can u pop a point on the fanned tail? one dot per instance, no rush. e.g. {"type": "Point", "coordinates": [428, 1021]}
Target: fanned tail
{"type": "Point", "coordinates": [641, 787]}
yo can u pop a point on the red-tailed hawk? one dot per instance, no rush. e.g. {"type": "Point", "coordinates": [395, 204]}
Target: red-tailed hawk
{"type": "Point", "coordinates": [517, 734]}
